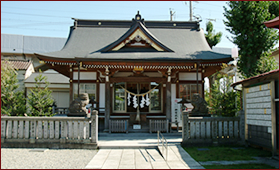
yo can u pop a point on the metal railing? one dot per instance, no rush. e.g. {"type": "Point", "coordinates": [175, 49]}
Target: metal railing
{"type": "Point", "coordinates": [164, 145]}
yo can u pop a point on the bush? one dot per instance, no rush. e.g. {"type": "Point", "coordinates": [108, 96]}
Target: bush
{"type": "Point", "coordinates": [40, 99]}
{"type": "Point", "coordinates": [222, 99]}
{"type": "Point", "coordinates": [13, 101]}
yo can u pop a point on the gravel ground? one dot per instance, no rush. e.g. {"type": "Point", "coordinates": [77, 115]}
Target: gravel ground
{"type": "Point", "coordinates": [45, 158]}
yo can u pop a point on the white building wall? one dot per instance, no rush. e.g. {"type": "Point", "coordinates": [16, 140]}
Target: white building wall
{"type": "Point", "coordinates": [189, 76]}
{"type": "Point", "coordinates": [85, 76]}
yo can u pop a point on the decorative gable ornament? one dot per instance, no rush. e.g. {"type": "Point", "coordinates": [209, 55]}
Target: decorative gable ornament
{"type": "Point", "coordinates": [137, 36]}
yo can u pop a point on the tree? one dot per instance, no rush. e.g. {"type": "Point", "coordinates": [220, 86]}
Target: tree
{"type": "Point", "coordinates": [13, 101]}
{"type": "Point", "coordinates": [223, 98]}
{"type": "Point", "coordinates": [40, 99]}
{"type": "Point", "coordinates": [212, 38]}
{"type": "Point", "coordinates": [245, 21]}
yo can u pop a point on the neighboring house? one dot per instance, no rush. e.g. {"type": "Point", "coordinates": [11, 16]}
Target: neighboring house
{"type": "Point", "coordinates": [261, 106]}
{"type": "Point", "coordinates": [59, 84]}
{"type": "Point", "coordinates": [113, 60]}
{"type": "Point", "coordinates": [23, 68]}
{"type": "Point", "coordinates": [20, 49]}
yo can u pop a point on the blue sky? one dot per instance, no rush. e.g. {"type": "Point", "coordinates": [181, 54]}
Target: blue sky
{"type": "Point", "coordinates": [53, 18]}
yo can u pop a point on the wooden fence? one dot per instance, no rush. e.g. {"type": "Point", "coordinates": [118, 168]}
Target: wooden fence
{"type": "Point", "coordinates": [211, 130]}
{"type": "Point", "coordinates": [50, 132]}
{"type": "Point", "coordinates": [118, 126]}
{"type": "Point", "coordinates": [158, 125]}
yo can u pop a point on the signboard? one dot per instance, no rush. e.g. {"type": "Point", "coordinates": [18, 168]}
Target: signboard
{"type": "Point", "coordinates": [136, 126]}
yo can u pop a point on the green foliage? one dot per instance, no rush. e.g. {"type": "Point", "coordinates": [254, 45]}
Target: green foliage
{"type": "Point", "coordinates": [40, 99]}
{"type": "Point", "coordinates": [226, 153]}
{"type": "Point", "coordinates": [223, 98]}
{"type": "Point", "coordinates": [265, 64]}
{"type": "Point", "coordinates": [13, 101]}
{"type": "Point", "coordinates": [245, 21]}
{"type": "Point", "coordinates": [212, 38]}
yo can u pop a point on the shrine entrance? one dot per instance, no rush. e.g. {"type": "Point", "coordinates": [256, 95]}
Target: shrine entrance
{"type": "Point", "coordinates": [139, 100]}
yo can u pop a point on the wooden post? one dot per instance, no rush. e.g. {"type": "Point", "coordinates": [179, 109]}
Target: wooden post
{"type": "Point", "coordinates": [273, 119]}
{"type": "Point", "coordinates": [79, 65]}
{"type": "Point", "coordinates": [107, 101]}
{"type": "Point", "coordinates": [168, 96]}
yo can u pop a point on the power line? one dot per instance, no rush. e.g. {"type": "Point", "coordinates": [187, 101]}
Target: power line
{"type": "Point", "coordinates": [32, 29]}
{"type": "Point", "coordinates": [35, 14]}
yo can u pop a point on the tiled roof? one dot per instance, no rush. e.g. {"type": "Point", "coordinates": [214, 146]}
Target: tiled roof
{"type": "Point", "coordinates": [256, 77]}
{"type": "Point", "coordinates": [19, 64]}
{"type": "Point", "coordinates": [274, 23]}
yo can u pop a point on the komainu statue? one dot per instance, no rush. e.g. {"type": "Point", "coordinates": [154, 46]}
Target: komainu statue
{"type": "Point", "coordinates": [199, 104]}
{"type": "Point", "coordinates": [78, 106]}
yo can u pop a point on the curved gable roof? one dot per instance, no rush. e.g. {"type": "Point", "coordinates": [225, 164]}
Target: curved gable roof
{"type": "Point", "coordinates": [92, 39]}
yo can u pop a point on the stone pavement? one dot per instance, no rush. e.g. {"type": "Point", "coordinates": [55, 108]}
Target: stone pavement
{"type": "Point", "coordinates": [139, 151]}
{"type": "Point", "coordinates": [134, 140]}
{"type": "Point", "coordinates": [141, 158]}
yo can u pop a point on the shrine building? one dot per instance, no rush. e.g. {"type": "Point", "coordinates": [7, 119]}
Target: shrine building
{"type": "Point", "coordinates": [136, 69]}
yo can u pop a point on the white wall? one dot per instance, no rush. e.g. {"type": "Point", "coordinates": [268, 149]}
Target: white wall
{"type": "Point", "coordinates": [189, 76]}
{"type": "Point", "coordinates": [85, 75]}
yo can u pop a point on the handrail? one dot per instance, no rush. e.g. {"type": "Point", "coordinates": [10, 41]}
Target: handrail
{"type": "Point", "coordinates": [164, 144]}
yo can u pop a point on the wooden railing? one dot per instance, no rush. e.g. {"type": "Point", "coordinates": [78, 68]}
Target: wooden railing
{"type": "Point", "coordinates": [211, 130]}
{"type": "Point", "coordinates": [158, 125]}
{"type": "Point", "coordinates": [118, 126]}
{"type": "Point", "coordinates": [58, 132]}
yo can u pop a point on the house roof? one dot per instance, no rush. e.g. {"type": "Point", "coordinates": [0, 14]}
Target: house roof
{"type": "Point", "coordinates": [91, 40]}
{"type": "Point", "coordinates": [52, 78]}
{"type": "Point", "coordinates": [19, 64]}
{"type": "Point", "coordinates": [11, 43]}
{"type": "Point", "coordinates": [274, 23]}
{"type": "Point", "coordinates": [258, 77]}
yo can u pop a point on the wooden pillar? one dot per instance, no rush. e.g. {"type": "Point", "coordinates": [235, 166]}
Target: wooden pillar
{"type": "Point", "coordinates": [79, 65]}
{"type": "Point", "coordinates": [71, 85]}
{"type": "Point", "coordinates": [168, 96]}
{"type": "Point", "coordinates": [107, 101]}
{"type": "Point", "coordinates": [197, 65]}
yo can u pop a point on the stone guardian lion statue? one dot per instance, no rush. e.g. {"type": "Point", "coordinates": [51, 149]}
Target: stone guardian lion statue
{"type": "Point", "coordinates": [199, 104]}
{"type": "Point", "coordinates": [78, 106]}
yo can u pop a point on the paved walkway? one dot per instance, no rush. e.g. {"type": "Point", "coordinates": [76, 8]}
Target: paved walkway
{"type": "Point", "coordinates": [134, 140]}
{"type": "Point", "coordinates": [139, 151]}
{"type": "Point", "coordinates": [177, 158]}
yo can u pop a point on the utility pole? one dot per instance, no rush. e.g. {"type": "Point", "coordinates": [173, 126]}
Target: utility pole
{"type": "Point", "coordinates": [191, 16]}
{"type": "Point", "coordinates": [171, 14]}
